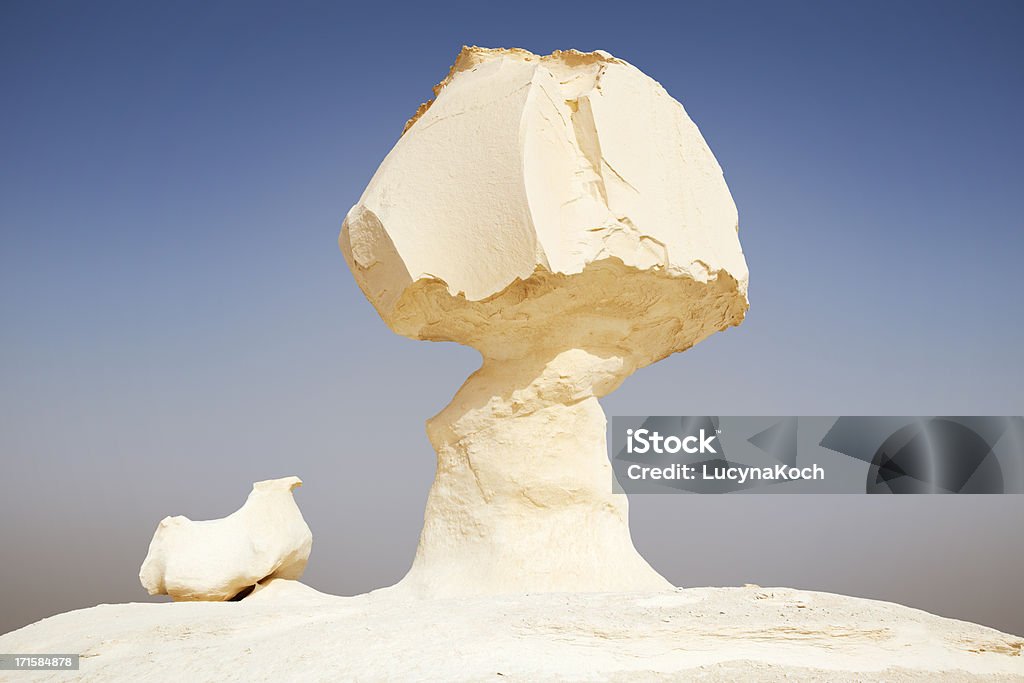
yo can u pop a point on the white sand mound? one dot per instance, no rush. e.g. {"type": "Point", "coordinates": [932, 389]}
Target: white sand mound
{"type": "Point", "coordinates": [287, 631]}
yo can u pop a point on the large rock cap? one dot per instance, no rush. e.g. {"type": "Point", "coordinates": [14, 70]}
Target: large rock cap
{"type": "Point", "coordinates": [526, 173]}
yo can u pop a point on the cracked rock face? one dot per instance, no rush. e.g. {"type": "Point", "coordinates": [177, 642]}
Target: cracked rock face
{"type": "Point", "coordinates": [563, 216]}
{"type": "Point", "coordinates": [220, 559]}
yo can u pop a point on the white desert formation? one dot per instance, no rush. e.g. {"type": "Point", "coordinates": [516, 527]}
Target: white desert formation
{"type": "Point", "coordinates": [563, 216]}
{"type": "Point", "coordinates": [219, 559]}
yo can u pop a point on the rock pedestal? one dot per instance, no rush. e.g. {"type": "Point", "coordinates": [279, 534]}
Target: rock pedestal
{"type": "Point", "coordinates": [563, 216]}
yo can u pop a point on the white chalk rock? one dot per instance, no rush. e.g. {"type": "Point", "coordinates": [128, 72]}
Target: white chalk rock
{"type": "Point", "coordinates": [538, 169]}
{"type": "Point", "coordinates": [218, 559]}
{"type": "Point", "coordinates": [563, 216]}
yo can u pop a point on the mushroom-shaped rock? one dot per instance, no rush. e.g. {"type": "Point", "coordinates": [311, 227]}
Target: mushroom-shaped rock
{"type": "Point", "coordinates": [563, 216]}
{"type": "Point", "coordinates": [220, 559]}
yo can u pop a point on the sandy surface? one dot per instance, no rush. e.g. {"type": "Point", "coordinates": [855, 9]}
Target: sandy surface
{"type": "Point", "coordinates": [290, 632]}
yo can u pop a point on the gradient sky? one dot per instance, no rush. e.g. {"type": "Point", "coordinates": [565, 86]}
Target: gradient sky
{"type": "Point", "coordinates": [176, 320]}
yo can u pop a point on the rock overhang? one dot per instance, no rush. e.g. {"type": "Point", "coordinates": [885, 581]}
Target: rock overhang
{"type": "Point", "coordinates": [529, 173]}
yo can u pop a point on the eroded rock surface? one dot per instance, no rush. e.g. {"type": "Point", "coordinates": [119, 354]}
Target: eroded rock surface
{"type": "Point", "coordinates": [527, 166]}
{"type": "Point", "coordinates": [220, 559]}
{"type": "Point", "coordinates": [563, 216]}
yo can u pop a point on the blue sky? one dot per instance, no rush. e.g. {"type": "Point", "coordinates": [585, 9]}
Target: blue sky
{"type": "Point", "coordinates": [177, 321]}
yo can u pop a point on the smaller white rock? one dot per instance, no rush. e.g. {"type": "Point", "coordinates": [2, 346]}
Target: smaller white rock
{"type": "Point", "coordinates": [217, 559]}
